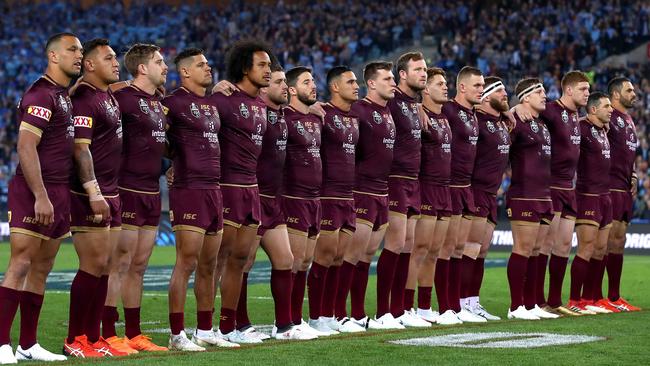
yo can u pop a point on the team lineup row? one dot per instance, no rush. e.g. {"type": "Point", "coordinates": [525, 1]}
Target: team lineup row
{"type": "Point", "coordinates": [258, 161]}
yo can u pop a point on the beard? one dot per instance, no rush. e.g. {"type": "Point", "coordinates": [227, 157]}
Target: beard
{"type": "Point", "coordinates": [499, 105]}
{"type": "Point", "coordinates": [306, 99]}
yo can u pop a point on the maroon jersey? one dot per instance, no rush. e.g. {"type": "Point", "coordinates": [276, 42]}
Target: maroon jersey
{"type": "Point", "coordinates": [46, 110]}
{"type": "Point", "coordinates": [340, 137]}
{"type": "Point", "coordinates": [193, 138]}
{"type": "Point", "coordinates": [375, 148]}
{"type": "Point", "coordinates": [436, 150]}
{"type": "Point", "coordinates": [563, 125]}
{"type": "Point", "coordinates": [530, 159]}
{"type": "Point", "coordinates": [303, 172]}
{"type": "Point", "coordinates": [623, 143]}
{"type": "Point", "coordinates": [594, 159]}
{"type": "Point", "coordinates": [243, 123]}
{"type": "Point", "coordinates": [144, 123]}
{"type": "Point", "coordinates": [491, 152]}
{"type": "Point", "coordinates": [270, 167]}
{"type": "Point", "coordinates": [98, 122]}
{"type": "Point", "coordinates": [464, 131]}
{"type": "Point", "coordinates": [406, 153]}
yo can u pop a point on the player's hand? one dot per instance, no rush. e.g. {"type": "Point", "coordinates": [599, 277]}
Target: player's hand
{"type": "Point", "coordinates": [101, 210]}
{"type": "Point", "coordinates": [510, 120]}
{"type": "Point", "coordinates": [74, 86]}
{"type": "Point", "coordinates": [522, 112]}
{"type": "Point", "coordinates": [635, 184]}
{"type": "Point", "coordinates": [44, 211]}
{"type": "Point", "coordinates": [426, 122]}
{"type": "Point", "coordinates": [119, 85]}
{"type": "Point", "coordinates": [317, 109]}
{"type": "Point", "coordinates": [224, 87]}
{"type": "Point", "coordinates": [170, 176]}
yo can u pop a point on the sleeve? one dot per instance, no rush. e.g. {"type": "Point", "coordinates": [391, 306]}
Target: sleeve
{"type": "Point", "coordinates": [37, 108]}
{"type": "Point", "coordinates": [221, 102]}
{"type": "Point", "coordinates": [167, 108]}
{"type": "Point", "coordinates": [84, 117]}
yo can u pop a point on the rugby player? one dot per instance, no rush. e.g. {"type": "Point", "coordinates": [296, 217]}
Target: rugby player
{"type": "Point", "coordinates": [491, 160]}
{"type": "Point", "coordinates": [340, 135]}
{"type": "Point", "coordinates": [195, 201]}
{"type": "Point", "coordinates": [465, 131]}
{"type": "Point", "coordinates": [594, 204]}
{"type": "Point", "coordinates": [143, 123]}
{"type": "Point", "coordinates": [373, 153]}
{"type": "Point", "coordinates": [95, 203]}
{"type": "Point", "coordinates": [528, 199]}
{"type": "Point", "coordinates": [623, 183]}
{"type": "Point", "coordinates": [39, 196]}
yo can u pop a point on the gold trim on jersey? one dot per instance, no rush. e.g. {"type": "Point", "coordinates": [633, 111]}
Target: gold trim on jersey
{"type": "Point", "coordinates": [524, 223]}
{"type": "Point", "coordinates": [86, 195]}
{"type": "Point", "coordinates": [444, 218]}
{"type": "Point", "coordinates": [587, 222]}
{"type": "Point", "coordinates": [394, 213]}
{"type": "Point", "coordinates": [232, 223]}
{"type": "Point", "coordinates": [428, 217]}
{"type": "Point", "coordinates": [589, 194]}
{"type": "Point", "coordinates": [298, 232]}
{"type": "Point", "coordinates": [562, 188]}
{"type": "Point", "coordinates": [214, 233]}
{"type": "Point", "coordinates": [278, 226]}
{"type": "Point", "coordinates": [347, 231]}
{"type": "Point", "coordinates": [364, 222]}
{"type": "Point", "coordinates": [300, 198]}
{"type": "Point", "coordinates": [267, 196]}
{"type": "Point", "coordinates": [149, 228]}
{"type": "Point", "coordinates": [403, 177]}
{"type": "Point", "coordinates": [83, 141]}
{"type": "Point", "coordinates": [238, 185]}
{"type": "Point", "coordinates": [619, 190]}
{"type": "Point", "coordinates": [457, 186]}
{"type": "Point", "coordinates": [532, 199]}
{"type": "Point", "coordinates": [382, 227]}
{"type": "Point", "coordinates": [116, 228]}
{"type": "Point", "coordinates": [88, 229]}
{"type": "Point", "coordinates": [18, 230]}
{"type": "Point", "coordinates": [371, 194]}
{"type": "Point", "coordinates": [31, 128]}
{"type": "Point", "coordinates": [337, 198]}
{"type": "Point", "coordinates": [329, 232]}
{"type": "Point", "coordinates": [569, 217]}
{"type": "Point", "coordinates": [188, 228]}
{"type": "Point", "coordinates": [137, 191]}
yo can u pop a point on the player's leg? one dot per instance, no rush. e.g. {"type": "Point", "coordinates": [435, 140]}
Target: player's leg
{"type": "Point", "coordinates": [424, 231]}
{"type": "Point", "coordinates": [561, 239]}
{"type": "Point", "coordinates": [348, 275]}
{"type": "Point", "coordinates": [324, 254]}
{"type": "Point", "coordinates": [587, 238]}
{"type": "Point", "coordinates": [468, 261]}
{"type": "Point", "coordinates": [615, 248]}
{"type": "Point", "coordinates": [531, 285]}
{"type": "Point", "coordinates": [524, 235]}
{"type": "Point", "coordinates": [243, 322]}
{"type": "Point", "coordinates": [332, 280]}
{"type": "Point", "coordinates": [479, 269]}
{"type": "Point", "coordinates": [593, 294]}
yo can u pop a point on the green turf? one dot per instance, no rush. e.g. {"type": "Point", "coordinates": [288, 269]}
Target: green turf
{"type": "Point", "coordinates": [627, 334]}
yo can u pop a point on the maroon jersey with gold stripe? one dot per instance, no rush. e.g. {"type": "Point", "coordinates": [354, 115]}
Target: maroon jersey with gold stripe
{"type": "Point", "coordinates": [530, 159]}
{"type": "Point", "coordinates": [594, 159]}
{"type": "Point", "coordinates": [303, 171]}
{"type": "Point", "coordinates": [564, 127]}
{"type": "Point", "coordinates": [491, 152]}
{"type": "Point", "coordinates": [623, 143]}
{"type": "Point", "coordinates": [406, 154]}
{"type": "Point", "coordinates": [464, 130]}
{"type": "Point", "coordinates": [270, 167]}
{"type": "Point", "coordinates": [340, 136]}
{"type": "Point", "coordinates": [436, 150]}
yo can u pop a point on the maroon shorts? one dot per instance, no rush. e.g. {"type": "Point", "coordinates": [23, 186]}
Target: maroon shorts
{"type": "Point", "coordinates": [528, 210]}
{"type": "Point", "coordinates": [404, 196]}
{"type": "Point", "coordinates": [486, 205]}
{"type": "Point", "coordinates": [622, 202]}
{"type": "Point", "coordinates": [337, 214]}
{"type": "Point", "coordinates": [303, 215]}
{"type": "Point", "coordinates": [82, 215]}
{"type": "Point", "coordinates": [199, 210]}
{"type": "Point", "coordinates": [564, 203]}
{"type": "Point", "coordinates": [594, 209]}
{"type": "Point", "coordinates": [241, 205]}
{"type": "Point", "coordinates": [272, 215]}
{"type": "Point", "coordinates": [462, 200]}
{"type": "Point", "coordinates": [371, 209]}
{"type": "Point", "coordinates": [435, 200]}
{"type": "Point", "coordinates": [21, 210]}
{"type": "Point", "coordinates": [140, 210]}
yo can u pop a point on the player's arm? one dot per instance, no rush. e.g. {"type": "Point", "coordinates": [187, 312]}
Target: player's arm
{"type": "Point", "coordinates": [224, 87]}
{"type": "Point", "coordinates": [524, 114]}
{"type": "Point", "coordinates": [86, 172]}
{"type": "Point", "coordinates": [30, 164]}
{"type": "Point", "coordinates": [635, 181]}
{"type": "Point", "coordinates": [426, 122]}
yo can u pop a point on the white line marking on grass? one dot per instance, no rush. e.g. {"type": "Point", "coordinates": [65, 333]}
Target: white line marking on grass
{"type": "Point", "coordinates": [499, 340]}
{"type": "Point", "coordinates": [164, 294]}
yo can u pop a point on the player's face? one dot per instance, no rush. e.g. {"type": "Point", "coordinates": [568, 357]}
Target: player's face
{"type": "Point", "coordinates": [200, 71]}
{"type": "Point", "coordinates": [473, 87]}
{"type": "Point", "coordinates": [157, 70]}
{"type": "Point", "coordinates": [384, 84]}
{"type": "Point", "coordinates": [68, 55]}
{"type": "Point", "coordinates": [348, 86]}
{"type": "Point", "coordinates": [260, 72]}
{"type": "Point", "coordinates": [305, 89]}
{"type": "Point", "coordinates": [604, 110]}
{"type": "Point", "coordinates": [628, 95]}
{"type": "Point", "coordinates": [537, 100]}
{"type": "Point", "coordinates": [105, 65]}
{"type": "Point", "coordinates": [580, 93]}
{"type": "Point", "coordinates": [278, 91]}
{"type": "Point", "coordinates": [437, 89]}
{"type": "Point", "coordinates": [415, 75]}
{"type": "Point", "coordinates": [499, 100]}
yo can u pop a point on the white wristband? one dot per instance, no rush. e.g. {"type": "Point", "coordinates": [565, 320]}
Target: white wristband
{"type": "Point", "coordinates": [92, 188]}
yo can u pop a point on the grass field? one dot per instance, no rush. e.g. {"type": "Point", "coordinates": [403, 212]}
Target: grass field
{"type": "Point", "coordinates": [627, 336]}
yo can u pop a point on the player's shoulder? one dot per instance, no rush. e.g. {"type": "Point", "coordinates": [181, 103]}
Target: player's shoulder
{"type": "Point", "coordinates": [41, 90]}
{"type": "Point", "coordinates": [176, 96]}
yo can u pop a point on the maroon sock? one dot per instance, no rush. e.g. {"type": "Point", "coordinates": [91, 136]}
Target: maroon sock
{"type": "Point", "coordinates": [477, 279]}
{"type": "Point", "coordinates": [346, 274]}
{"type": "Point", "coordinates": [591, 278]}
{"type": "Point", "coordinates": [441, 279]}
{"type": "Point", "coordinates": [83, 284]}
{"type": "Point", "coordinates": [517, 267]}
{"type": "Point", "coordinates": [453, 292]}
{"type": "Point", "coordinates": [614, 271]}
{"type": "Point", "coordinates": [329, 294]}
{"type": "Point", "coordinates": [298, 296]}
{"type": "Point", "coordinates": [424, 297]}
{"type": "Point", "coordinates": [358, 290]}
{"type": "Point", "coordinates": [204, 320]}
{"type": "Point", "coordinates": [30, 309]}
{"type": "Point", "coordinates": [399, 285]}
{"type": "Point", "coordinates": [110, 316]}
{"type": "Point", "coordinates": [530, 284]}
{"type": "Point", "coordinates": [227, 320]}
{"type": "Point", "coordinates": [96, 312]}
{"type": "Point", "coordinates": [177, 323]}
{"type": "Point", "coordinates": [9, 301]}
{"type": "Point", "coordinates": [385, 275]}
{"type": "Point", "coordinates": [542, 261]}
{"type": "Point", "coordinates": [579, 269]}
{"type": "Point", "coordinates": [556, 271]}
{"type": "Point", "coordinates": [598, 284]}
{"type": "Point", "coordinates": [132, 322]}
{"type": "Point", "coordinates": [466, 276]}
{"type": "Point", "coordinates": [281, 284]}
{"type": "Point", "coordinates": [409, 299]}
{"type": "Point", "coordinates": [241, 318]}
{"type": "Point", "coordinates": [315, 285]}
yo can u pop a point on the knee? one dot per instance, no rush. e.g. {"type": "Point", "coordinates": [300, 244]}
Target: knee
{"type": "Point", "coordinates": [42, 266]}
{"type": "Point", "coordinates": [187, 265]}
{"type": "Point", "coordinates": [237, 260]}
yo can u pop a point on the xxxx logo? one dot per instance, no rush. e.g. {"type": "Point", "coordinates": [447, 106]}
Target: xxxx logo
{"type": "Point", "coordinates": [83, 121]}
{"type": "Point", "coordinates": [40, 112]}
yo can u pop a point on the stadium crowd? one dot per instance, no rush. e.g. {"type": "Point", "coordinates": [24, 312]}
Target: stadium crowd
{"type": "Point", "coordinates": [317, 34]}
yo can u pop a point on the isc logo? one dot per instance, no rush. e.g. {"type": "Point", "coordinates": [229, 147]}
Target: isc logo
{"type": "Point", "coordinates": [189, 216]}
{"type": "Point", "coordinates": [326, 222]}
{"type": "Point", "coordinates": [361, 211]}
{"type": "Point", "coordinates": [590, 213]}
{"type": "Point", "coordinates": [128, 215]}
{"type": "Point", "coordinates": [293, 220]}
